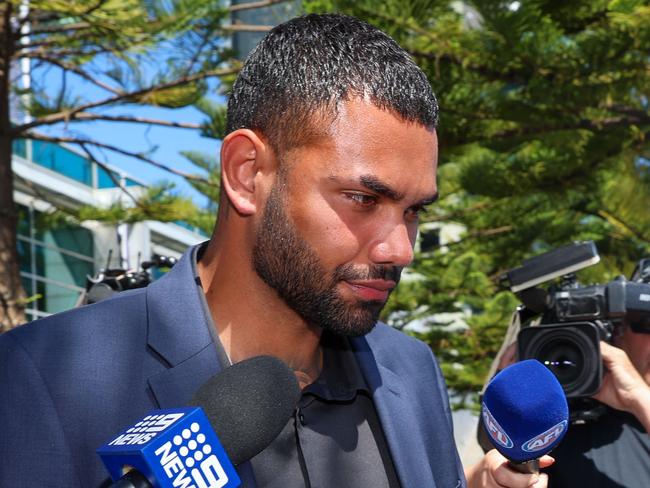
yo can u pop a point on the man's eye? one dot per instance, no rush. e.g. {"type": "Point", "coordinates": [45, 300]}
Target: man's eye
{"type": "Point", "coordinates": [362, 199]}
{"type": "Point", "coordinates": [417, 211]}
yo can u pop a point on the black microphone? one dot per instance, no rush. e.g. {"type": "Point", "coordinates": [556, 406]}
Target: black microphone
{"type": "Point", "coordinates": [247, 405]}
{"type": "Point", "coordinates": [525, 413]}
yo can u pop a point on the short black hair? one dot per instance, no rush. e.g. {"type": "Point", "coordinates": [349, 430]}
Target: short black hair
{"type": "Point", "coordinates": [305, 67]}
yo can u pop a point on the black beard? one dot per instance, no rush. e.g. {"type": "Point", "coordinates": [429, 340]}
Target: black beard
{"type": "Point", "coordinates": [289, 265]}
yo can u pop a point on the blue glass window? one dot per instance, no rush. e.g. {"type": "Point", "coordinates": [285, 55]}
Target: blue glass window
{"type": "Point", "coordinates": [62, 160]}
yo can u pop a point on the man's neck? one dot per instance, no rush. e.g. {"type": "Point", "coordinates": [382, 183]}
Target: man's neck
{"type": "Point", "coordinates": [252, 320]}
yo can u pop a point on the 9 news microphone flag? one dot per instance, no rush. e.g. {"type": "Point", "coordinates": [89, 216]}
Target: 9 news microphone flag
{"type": "Point", "coordinates": [525, 413]}
{"type": "Point", "coordinates": [172, 448]}
{"type": "Point", "coordinates": [238, 413]}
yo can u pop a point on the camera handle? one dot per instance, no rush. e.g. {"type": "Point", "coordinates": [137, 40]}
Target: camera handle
{"type": "Point", "coordinates": [521, 314]}
{"type": "Point", "coordinates": [509, 338]}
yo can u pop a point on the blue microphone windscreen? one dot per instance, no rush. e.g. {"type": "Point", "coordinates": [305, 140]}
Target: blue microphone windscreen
{"type": "Point", "coordinates": [525, 411]}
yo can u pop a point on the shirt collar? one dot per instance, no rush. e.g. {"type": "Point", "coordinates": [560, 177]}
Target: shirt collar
{"type": "Point", "coordinates": [197, 253]}
{"type": "Point", "coordinates": [340, 379]}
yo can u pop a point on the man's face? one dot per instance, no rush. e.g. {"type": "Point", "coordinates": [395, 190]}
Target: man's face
{"type": "Point", "coordinates": [637, 347]}
{"type": "Point", "coordinates": [341, 219]}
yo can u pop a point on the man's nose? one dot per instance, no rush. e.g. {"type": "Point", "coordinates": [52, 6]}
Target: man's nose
{"type": "Point", "coordinates": [395, 247]}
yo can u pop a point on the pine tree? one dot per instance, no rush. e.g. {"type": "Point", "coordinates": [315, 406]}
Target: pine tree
{"type": "Point", "coordinates": [105, 54]}
{"type": "Point", "coordinates": [544, 134]}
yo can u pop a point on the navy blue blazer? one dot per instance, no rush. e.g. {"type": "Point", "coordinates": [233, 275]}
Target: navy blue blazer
{"type": "Point", "coordinates": [69, 382]}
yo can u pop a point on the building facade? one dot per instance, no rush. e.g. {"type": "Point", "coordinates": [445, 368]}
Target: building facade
{"type": "Point", "coordinates": [56, 259]}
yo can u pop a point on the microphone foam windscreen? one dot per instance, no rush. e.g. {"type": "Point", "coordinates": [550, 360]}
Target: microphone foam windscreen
{"type": "Point", "coordinates": [525, 411]}
{"type": "Point", "coordinates": [248, 404]}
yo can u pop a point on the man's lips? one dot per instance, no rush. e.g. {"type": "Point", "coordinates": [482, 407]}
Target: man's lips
{"type": "Point", "coordinates": [377, 290]}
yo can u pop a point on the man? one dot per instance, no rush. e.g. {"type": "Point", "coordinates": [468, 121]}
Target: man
{"type": "Point", "coordinates": [613, 450]}
{"type": "Point", "coordinates": [329, 159]}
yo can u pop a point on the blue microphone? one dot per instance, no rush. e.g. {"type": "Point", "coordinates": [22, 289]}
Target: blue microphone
{"type": "Point", "coordinates": [525, 413]}
{"type": "Point", "coordinates": [237, 414]}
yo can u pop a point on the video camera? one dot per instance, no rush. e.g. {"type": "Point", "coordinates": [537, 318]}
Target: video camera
{"type": "Point", "coordinates": [574, 318]}
{"type": "Point", "coordinates": [109, 281]}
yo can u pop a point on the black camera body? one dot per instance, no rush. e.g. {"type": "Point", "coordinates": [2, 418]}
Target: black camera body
{"type": "Point", "coordinates": [575, 318]}
{"type": "Point", "coordinates": [109, 281]}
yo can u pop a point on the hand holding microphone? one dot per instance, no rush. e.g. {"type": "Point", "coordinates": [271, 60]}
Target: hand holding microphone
{"type": "Point", "coordinates": [239, 412]}
{"type": "Point", "coordinates": [494, 471]}
{"type": "Point", "coordinates": [525, 414]}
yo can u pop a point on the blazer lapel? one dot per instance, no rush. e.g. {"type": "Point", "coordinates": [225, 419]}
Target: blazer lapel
{"type": "Point", "coordinates": [178, 334]}
{"type": "Point", "coordinates": [398, 420]}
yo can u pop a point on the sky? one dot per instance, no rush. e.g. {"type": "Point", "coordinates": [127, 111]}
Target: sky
{"type": "Point", "coordinates": [162, 144]}
{"type": "Point", "coordinates": [168, 143]}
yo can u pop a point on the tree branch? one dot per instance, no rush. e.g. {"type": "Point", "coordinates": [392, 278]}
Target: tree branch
{"type": "Point", "coordinates": [636, 118]}
{"type": "Point", "coordinates": [48, 17]}
{"type": "Point", "coordinates": [58, 29]}
{"type": "Point", "coordinates": [623, 109]}
{"type": "Point", "coordinates": [110, 173]}
{"type": "Point", "coordinates": [621, 224]}
{"type": "Point", "coordinates": [450, 217]}
{"type": "Point", "coordinates": [109, 147]}
{"type": "Point", "coordinates": [86, 116]}
{"type": "Point", "coordinates": [252, 5]}
{"type": "Point", "coordinates": [77, 35]}
{"type": "Point", "coordinates": [247, 28]}
{"type": "Point", "coordinates": [204, 41]}
{"type": "Point", "coordinates": [78, 71]}
{"type": "Point", "coordinates": [70, 114]}
{"type": "Point", "coordinates": [485, 71]}
{"type": "Point", "coordinates": [61, 52]}
{"type": "Point", "coordinates": [92, 8]}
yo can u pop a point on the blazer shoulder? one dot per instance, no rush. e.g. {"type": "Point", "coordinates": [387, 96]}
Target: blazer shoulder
{"type": "Point", "coordinates": [101, 328]}
{"type": "Point", "coordinates": [33, 443]}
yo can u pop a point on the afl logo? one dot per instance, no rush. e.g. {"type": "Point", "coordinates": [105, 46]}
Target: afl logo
{"type": "Point", "coordinates": [495, 430]}
{"type": "Point", "coordinates": [546, 438]}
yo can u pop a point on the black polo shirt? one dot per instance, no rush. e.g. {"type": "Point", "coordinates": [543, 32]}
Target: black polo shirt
{"type": "Point", "coordinates": [334, 438]}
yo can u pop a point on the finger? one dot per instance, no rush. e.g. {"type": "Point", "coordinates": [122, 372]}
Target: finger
{"type": "Point", "coordinates": [606, 351]}
{"type": "Point", "coordinates": [546, 461]}
{"type": "Point", "coordinates": [618, 362]}
{"type": "Point", "coordinates": [504, 476]}
{"type": "Point", "coordinates": [611, 354]}
{"type": "Point", "coordinates": [542, 482]}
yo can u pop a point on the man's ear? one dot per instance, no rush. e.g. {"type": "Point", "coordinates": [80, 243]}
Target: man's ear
{"type": "Point", "coordinates": [242, 155]}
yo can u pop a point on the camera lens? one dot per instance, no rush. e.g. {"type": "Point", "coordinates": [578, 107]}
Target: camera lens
{"type": "Point", "coordinates": [571, 352]}
{"type": "Point", "coordinates": [565, 359]}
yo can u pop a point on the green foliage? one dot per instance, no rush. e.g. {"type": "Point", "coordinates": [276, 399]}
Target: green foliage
{"type": "Point", "coordinates": [205, 217]}
{"type": "Point", "coordinates": [153, 203]}
{"type": "Point", "coordinates": [100, 60]}
{"type": "Point", "coordinates": [215, 125]}
{"type": "Point", "coordinates": [543, 136]}
{"type": "Point", "coordinates": [90, 56]}
{"type": "Point", "coordinates": [137, 48]}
